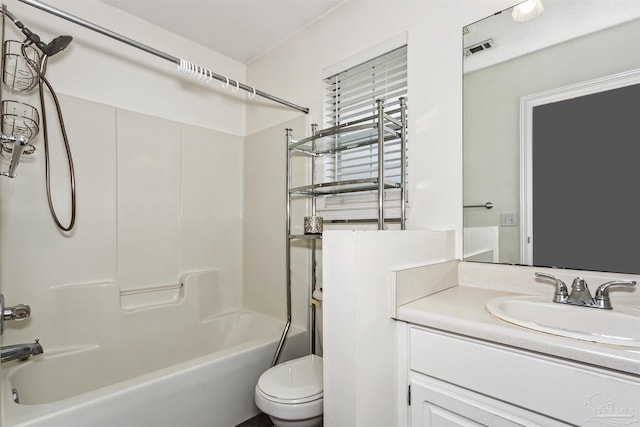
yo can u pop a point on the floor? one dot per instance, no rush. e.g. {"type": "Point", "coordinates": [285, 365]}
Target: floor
{"type": "Point", "coordinates": [261, 420]}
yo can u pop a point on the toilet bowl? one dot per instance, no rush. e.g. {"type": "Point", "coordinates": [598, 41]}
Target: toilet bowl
{"type": "Point", "coordinates": [291, 393]}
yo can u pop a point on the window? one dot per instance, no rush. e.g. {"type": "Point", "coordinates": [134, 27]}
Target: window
{"type": "Point", "coordinates": [351, 95]}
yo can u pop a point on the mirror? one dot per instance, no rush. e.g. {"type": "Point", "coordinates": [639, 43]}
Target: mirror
{"type": "Point", "coordinates": [510, 70]}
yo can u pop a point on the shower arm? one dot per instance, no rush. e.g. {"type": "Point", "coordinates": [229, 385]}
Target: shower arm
{"type": "Point", "coordinates": [201, 73]}
{"type": "Point", "coordinates": [30, 35]}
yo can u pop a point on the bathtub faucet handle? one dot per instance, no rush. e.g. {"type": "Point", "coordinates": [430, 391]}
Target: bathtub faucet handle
{"type": "Point", "coordinates": [17, 312]}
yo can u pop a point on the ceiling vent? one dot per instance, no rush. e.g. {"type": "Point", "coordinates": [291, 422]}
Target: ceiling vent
{"type": "Point", "coordinates": [479, 47]}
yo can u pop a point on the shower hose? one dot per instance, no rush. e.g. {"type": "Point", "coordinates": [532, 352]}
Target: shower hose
{"type": "Point", "coordinates": [56, 45]}
{"type": "Point", "coordinates": [42, 82]}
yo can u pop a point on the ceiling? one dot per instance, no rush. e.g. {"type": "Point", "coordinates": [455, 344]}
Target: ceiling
{"type": "Point", "coordinates": [561, 20]}
{"type": "Point", "coordinates": [245, 29]}
{"type": "Point", "coordinates": [240, 29]}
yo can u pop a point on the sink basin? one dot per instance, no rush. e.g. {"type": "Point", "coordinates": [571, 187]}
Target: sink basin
{"type": "Point", "coordinates": [620, 326]}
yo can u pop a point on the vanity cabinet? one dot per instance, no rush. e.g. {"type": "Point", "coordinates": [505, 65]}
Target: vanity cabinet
{"type": "Point", "coordinates": [461, 381]}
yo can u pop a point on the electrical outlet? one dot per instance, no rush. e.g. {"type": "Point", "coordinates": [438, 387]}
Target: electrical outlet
{"type": "Point", "coordinates": [508, 220]}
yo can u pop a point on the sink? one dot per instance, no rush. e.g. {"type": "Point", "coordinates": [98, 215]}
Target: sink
{"type": "Point", "coordinates": [619, 326]}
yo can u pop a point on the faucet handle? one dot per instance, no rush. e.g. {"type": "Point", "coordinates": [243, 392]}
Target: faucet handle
{"type": "Point", "coordinates": [562, 293]}
{"type": "Point", "coordinates": [602, 292]}
{"type": "Point", "coordinates": [17, 312]}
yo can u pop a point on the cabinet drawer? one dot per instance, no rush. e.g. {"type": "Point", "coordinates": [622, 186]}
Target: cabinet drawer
{"type": "Point", "coordinates": [556, 388]}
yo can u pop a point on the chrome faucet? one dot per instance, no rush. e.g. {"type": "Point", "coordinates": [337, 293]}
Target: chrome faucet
{"type": "Point", "coordinates": [580, 294]}
{"type": "Point", "coordinates": [18, 312]}
{"type": "Point", "coordinates": [20, 351]}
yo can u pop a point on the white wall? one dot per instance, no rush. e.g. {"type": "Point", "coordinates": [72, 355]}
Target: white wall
{"type": "Point", "coordinates": [360, 342]}
{"type": "Point", "coordinates": [265, 227]}
{"type": "Point", "coordinates": [294, 69]}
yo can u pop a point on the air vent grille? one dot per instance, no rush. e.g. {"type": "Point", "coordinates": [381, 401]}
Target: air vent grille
{"type": "Point", "coordinates": [479, 47]}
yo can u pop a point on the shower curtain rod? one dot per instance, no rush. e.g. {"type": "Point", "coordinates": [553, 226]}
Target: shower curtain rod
{"type": "Point", "coordinates": [185, 67]}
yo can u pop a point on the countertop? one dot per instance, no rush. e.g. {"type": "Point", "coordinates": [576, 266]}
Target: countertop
{"type": "Point", "coordinates": [461, 310]}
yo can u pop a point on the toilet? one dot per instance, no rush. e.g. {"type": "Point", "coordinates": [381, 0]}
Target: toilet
{"type": "Point", "coordinates": [291, 393]}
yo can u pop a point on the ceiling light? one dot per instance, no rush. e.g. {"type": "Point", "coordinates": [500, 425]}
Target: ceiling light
{"type": "Point", "coordinates": [527, 10]}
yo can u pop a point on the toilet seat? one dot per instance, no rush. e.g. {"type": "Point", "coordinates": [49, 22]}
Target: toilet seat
{"type": "Point", "coordinates": [294, 382]}
{"type": "Point", "coordinates": [288, 410]}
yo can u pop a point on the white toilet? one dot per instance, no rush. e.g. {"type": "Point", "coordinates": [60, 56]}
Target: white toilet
{"type": "Point", "coordinates": [291, 392]}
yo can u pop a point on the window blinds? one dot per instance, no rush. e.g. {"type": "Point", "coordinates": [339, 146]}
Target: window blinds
{"type": "Point", "coordinates": [352, 95]}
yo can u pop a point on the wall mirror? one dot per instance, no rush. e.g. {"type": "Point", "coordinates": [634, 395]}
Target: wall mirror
{"type": "Point", "coordinates": [516, 73]}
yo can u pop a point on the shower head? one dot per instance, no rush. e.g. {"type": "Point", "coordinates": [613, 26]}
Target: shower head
{"type": "Point", "coordinates": [56, 45]}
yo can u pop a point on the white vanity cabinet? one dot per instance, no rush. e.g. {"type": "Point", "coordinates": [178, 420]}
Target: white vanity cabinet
{"type": "Point", "coordinates": [460, 381]}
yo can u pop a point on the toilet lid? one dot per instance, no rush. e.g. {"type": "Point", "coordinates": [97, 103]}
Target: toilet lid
{"type": "Point", "coordinates": [294, 380]}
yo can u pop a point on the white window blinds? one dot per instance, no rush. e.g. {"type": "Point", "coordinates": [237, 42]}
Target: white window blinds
{"type": "Point", "coordinates": [352, 95]}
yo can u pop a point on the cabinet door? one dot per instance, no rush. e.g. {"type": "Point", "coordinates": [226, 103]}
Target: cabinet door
{"type": "Point", "coordinates": [425, 413]}
{"type": "Point", "coordinates": [438, 404]}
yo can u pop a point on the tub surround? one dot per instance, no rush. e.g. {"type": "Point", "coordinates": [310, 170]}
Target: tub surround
{"type": "Point", "coordinates": [187, 354]}
{"type": "Point", "coordinates": [451, 297]}
{"type": "Point", "coordinates": [114, 312]}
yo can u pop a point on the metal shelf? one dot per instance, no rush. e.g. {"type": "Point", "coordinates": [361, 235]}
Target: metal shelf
{"type": "Point", "coordinates": [362, 221]}
{"type": "Point", "coordinates": [361, 135]}
{"type": "Point", "coordinates": [355, 125]}
{"type": "Point", "coordinates": [379, 130]}
{"type": "Point", "coordinates": [342, 187]}
{"type": "Point", "coordinates": [343, 221]}
{"type": "Point", "coordinates": [305, 236]}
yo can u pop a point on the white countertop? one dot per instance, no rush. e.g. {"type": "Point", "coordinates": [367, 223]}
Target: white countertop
{"type": "Point", "coordinates": [461, 310]}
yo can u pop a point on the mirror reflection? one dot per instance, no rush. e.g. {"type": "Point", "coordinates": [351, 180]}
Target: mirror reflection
{"type": "Point", "coordinates": [516, 73]}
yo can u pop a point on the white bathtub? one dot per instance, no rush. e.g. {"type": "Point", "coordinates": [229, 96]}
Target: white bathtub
{"type": "Point", "coordinates": [164, 365]}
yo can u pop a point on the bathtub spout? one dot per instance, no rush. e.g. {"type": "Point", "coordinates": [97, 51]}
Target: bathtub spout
{"type": "Point", "coordinates": [20, 351]}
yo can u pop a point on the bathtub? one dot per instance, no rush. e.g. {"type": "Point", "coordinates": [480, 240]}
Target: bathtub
{"type": "Point", "coordinates": [164, 364]}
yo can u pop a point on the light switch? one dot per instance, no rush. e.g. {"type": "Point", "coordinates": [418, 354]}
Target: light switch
{"type": "Point", "coordinates": [508, 220]}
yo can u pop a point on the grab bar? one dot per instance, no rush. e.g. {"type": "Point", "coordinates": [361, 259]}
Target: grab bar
{"type": "Point", "coordinates": [148, 289]}
{"type": "Point", "coordinates": [487, 205]}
